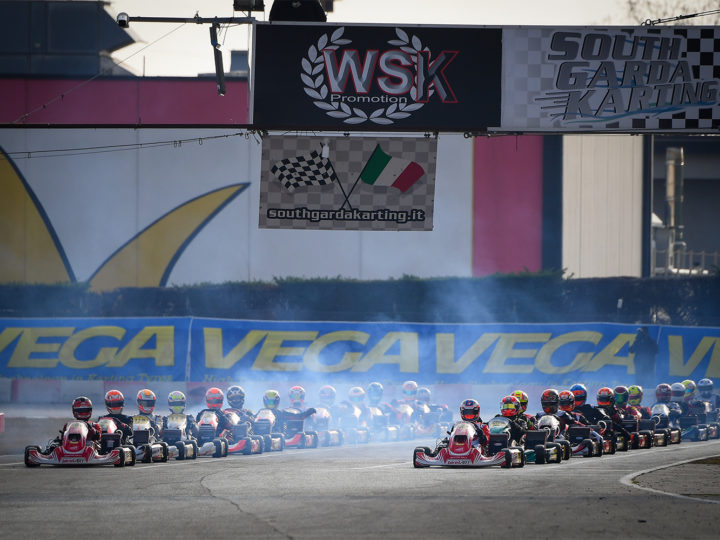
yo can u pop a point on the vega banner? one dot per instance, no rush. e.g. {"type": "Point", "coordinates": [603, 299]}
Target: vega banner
{"type": "Point", "coordinates": [620, 79]}
{"type": "Point", "coordinates": [133, 349]}
{"type": "Point", "coordinates": [348, 183]}
{"type": "Point", "coordinates": [371, 78]}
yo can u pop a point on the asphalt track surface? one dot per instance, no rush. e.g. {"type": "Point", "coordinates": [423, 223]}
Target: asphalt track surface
{"type": "Point", "coordinates": [367, 491]}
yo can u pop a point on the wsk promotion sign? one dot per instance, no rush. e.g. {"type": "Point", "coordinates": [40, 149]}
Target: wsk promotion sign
{"type": "Point", "coordinates": [611, 79]}
{"type": "Point", "coordinates": [348, 183]}
{"type": "Point", "coordinates": [370, 78]}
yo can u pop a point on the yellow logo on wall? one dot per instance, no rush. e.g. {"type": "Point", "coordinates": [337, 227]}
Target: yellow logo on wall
{"type": "Point", "coordinates": [32, 252]}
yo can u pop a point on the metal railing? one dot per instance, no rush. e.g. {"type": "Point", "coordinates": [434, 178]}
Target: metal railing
{"type": "Point", "coordinates": [685, 262]}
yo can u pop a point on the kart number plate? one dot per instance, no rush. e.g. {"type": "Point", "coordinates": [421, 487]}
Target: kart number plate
{"type": "Point", "coordinates": [459, 462]}
{"type": "Point", "coordinates": [72, 460]}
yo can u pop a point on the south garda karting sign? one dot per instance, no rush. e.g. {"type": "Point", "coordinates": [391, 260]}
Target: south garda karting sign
{"type": "Point", "coordinates": [622, 79]}
{"type": "Point", "coordinates": [348, 183]}
{"type": "Point", "coordinates": [371, 78]}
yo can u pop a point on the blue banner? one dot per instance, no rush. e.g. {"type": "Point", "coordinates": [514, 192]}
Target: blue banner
{"type": "Point", "coordinates": [128, 349]}
{"type": "Point", "coordinates": [220, 350]}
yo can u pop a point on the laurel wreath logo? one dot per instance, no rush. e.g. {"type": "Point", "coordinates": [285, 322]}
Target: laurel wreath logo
{"type": "Point", "coordinates": [313, 79]}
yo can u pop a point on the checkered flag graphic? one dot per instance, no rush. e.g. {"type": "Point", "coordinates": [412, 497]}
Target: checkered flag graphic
{"type": "Point", "coordinates": [304, 170]}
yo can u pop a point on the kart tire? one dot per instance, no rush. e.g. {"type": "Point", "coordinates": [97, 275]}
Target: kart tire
{"type": "Point", "coordinates": [28, 463]}
{"type": "Point", "coordinates": [247, 450]}
{"type": "Point", "coordinates": [261, 443]}
{"type": "Point", "coordinates": [561, 451]}
{"type": "Point", "coordinates": [566, 450]}
{"type": "Point", "coordinates": [635, 443]}
{"type": "Point", "coordinates": [133, 455]}
{"type": "Point", "coordinates": [196, 449]}
{"type": "Point", "coordinates": [267, 443]}
{"type": "Point", "coordinates": [649, 437]}
{"type": "Point", "coordinates": [165, 452]}
{"type": "Point", "coordinates": [540, 454]}
{"type": "Point", "coordinates": [218, 448]}
{"type": "Point", "coordinates": [315, 439]}
{"type": "Point", "coordinates": [415, 463]}
{"type": "Point", "coordinates": [508, 459]}
{"type": "Point", "coordinates": [121, 461]}
{"type": "Point", "coordinates": [147, 453]}
{"type": "Point", "coordinates": [613, 447]}
{"type": "Point", "coordinates": [600, 451]}
{"type": "Point", "coordinates": [181, 450]}
{"type": "Point", "coordinates": [522, 458]}
{"type": "Point", "coordinates": [587, 443]}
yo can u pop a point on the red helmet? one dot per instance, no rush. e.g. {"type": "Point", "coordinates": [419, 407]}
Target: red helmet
{"type": "Point", "coordinates": [146, 401]}
{"type": "Point", "coordinates": [566, 400]}
{"type": "Point", "coordinates": [663, 393]}
{"type": "Point", "coordinates": [605, 397]}
{"type": "Point", "coordinates": [549, 401]}
{"type": "Point", "coordinates": [409, 389]}
{"type": "Point", "coordinates": [114, 401]}
{"type": "Point", "coordinates": [214, 398]}
{"type": "Point", "coordinates": [82, 408]}
{"type": "Point", "coordinates": [470, 410]}
{"type": "Point", "coordinates": [510, 406]}
{"type": "Point", "coordinates": [297, 396]}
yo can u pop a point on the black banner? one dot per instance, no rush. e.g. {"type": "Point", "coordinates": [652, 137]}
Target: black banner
{"type": "Point", "coordinates": [373, 78]}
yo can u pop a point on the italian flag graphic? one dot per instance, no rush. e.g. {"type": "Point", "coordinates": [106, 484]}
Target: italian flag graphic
{"type": "Point", "coordinates": [385, 170]}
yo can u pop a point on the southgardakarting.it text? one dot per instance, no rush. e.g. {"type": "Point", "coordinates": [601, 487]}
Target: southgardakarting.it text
{"type": "Point", "coordinates": [398, 216]}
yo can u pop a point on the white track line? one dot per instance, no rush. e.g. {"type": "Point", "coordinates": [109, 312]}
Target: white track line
{"type": "Point", "coordinates": [628, 480]}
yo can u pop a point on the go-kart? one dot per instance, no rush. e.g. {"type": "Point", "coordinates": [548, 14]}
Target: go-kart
{"type": "Point", "coordinates": [500, 440]}
{"type": "Point", "coordinates": [550, 425]}
{"type": "Point", "coordinates": [208, 441]}
{"type": "Point", "coordinates": [321, 423]}
{"type": "Point", "coordinates": [181, 444]}
{"type": "Point", "coordinates": [458, 451]}
{"type": "Point", "coordinates": [538, 449]}
{"type": "Point", "coordinates": [351, 421]}
{"type": "Point", "coordinates": [380, 427]}
{"type": "Point", "coordinates": [585, 444]}
{"type": "Point", "coordinates": [692, 429]}
{"type": "Point", "coordinates": [112, 437]}
{"type": "Point", "coordinates": [639, 438]}
{"type": "Point", "coordinates": [295, 434]}
{"type": "Point", "coordinates": [661, 415]}
{"type": "Point", "coordinates": [74, 449]}
{"type": "Point", "coordinates": [148, 447]}
{"type": "Point", "coordinates": [240, 438]}
{"type": "Point", "coordinates": [265, 425]}
{"type": "Point", "coordinates": [660, 436]}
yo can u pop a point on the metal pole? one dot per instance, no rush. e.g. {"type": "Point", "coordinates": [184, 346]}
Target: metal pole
{"type": "Point", "coordinates": [674, 161]}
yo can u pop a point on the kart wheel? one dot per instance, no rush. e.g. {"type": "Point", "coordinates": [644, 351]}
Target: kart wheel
{"type": "Point", "coordinates": [121, 461]}
{"type": "Point", "coordinates": [196, 449]}
{"type": "Point", "coordinates": [165, 452]}
{"type": "Point", "coordinates": [566, 449]}
{"type": "Point", "coordinates": [133, 455]}
{"type": "Point", "coordinates": [508, 458]}
{"type": "Point", "coordinates": [613, 447]}
{"type": "Point", "coordinates": [267, 443]}
{"type": "Point", "coordinates": [147, 453]}
{"type": "Point", "coordinates": [540, 454]}
{"type": "Point", "coordinates": [181, 450]}
{"type": "Point", "coordinates": [649, 439]}
{"type": "Point", "coordinates": [415, 462]}
{"type": "Point", "coordinates": [522, 458]}
{"type": "Point", "coordinates": [634, 442]}
{"type": "Point", "coordinates": [315, 439]}
{"type": "Point", "coordinates": [600, 451]}
{"type": "Point", "coordinates": [218, 448]}
{"type": "Point", "coordinates": [260, 442]}
{"type": "Point", "coordinates": [247, 449]}
{"type": "Point", "coordinates": [587, 443]}
{"type": "Point", "coordinates": [226, 445]}
{"type": "Point", "coordinates": [28, 463]}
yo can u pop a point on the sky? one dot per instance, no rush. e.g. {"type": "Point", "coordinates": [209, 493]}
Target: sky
{"type": "Point", "coordinates": [175, 49]}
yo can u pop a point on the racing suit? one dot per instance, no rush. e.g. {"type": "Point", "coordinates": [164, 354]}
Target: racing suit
{"type": "Point", "coordinates": [223, 421]}
{"type": "Point", "coordinates": [123, 421]}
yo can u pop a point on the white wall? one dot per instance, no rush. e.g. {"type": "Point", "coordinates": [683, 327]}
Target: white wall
{"type": "Point", "coordinates": [602, 205]}
{"type": "Point", "coordinates": [98, 199]}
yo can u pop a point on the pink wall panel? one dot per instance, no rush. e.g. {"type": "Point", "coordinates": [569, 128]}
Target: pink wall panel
{"type": "Point", "coordinates": [507, 204]}
{"type": "Point", "coordinates": [139, 101]}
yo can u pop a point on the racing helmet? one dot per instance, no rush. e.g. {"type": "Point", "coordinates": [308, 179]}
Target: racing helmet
{"type": "Point", "coordinates": [549, 401]}
{"type": "Point", "coordinates": [271, 399]}
{"type": "Point", "coordinates": [374, 392]}
{"type": "Point", "coordinates": [327, 395]}
{"type": "Point", "coordinates": [635, 395]}
{"type": "Point", "coordinates": [510, 406]}
{"type": "Point", "coordinates": [470, 410]}
{"type": "Point", "coordinates": [146, 401]}
{"type": "Point", "coordinates": [705, 388]}
{"type": "Point", "coordinates": [677, 392]}
{"type": "Point", "coordinates": [82, 408]}
{"type": "Point", "coordinates": [605, 397]}
{"type": "Point", "coordinates": [423, 394]}
{"type": "Point", "coordinates": [214, 398]}
{"type": "Point", "coordinates": [114, 401]}
{"type": "Point", "coordinates": [356, 395]}
{"type": "Point", "coordinates": [409, 390]}
{"type": "Point", "coordinates": [566, 401]}
{"type": "Point", "coordinates": [690, 389]}
{"type": "Point", "coordinates": [580, 393]}
{"type": "Point", "coordinates": [236, 397]}
{"type": "Point", "coordinates": [663, 393]}
{"type": "Point", "coordinates": [297, 396]}
{"type": "Point", "coordinates": [176, 402]}
{"type": "Point", "coordinates": [621, 396]}
{"type": "Point", "coordinates": [522, 397]}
